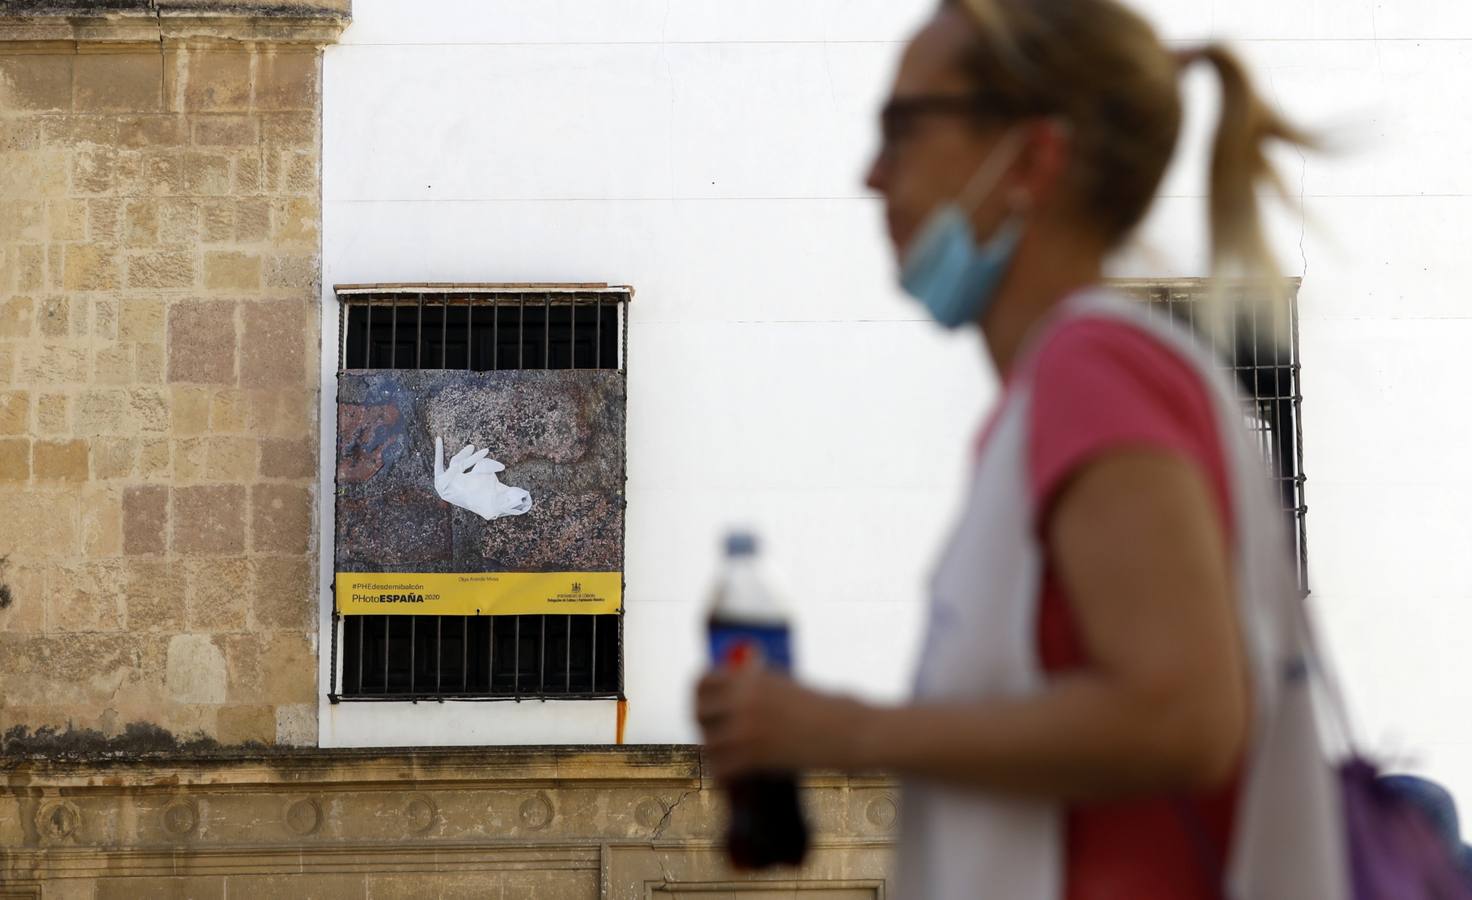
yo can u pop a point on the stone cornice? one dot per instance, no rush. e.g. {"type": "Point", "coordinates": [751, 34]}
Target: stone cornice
{"type": "Point", "coordinates": [363, 766]}
{"type": "Point", "coordinates": [174, 21]}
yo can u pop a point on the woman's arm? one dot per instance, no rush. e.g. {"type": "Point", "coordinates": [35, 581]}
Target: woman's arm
{"type": "Point", "coordinates": [1162, 706]}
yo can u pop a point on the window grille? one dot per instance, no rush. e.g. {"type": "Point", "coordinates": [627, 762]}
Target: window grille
{"type": "Point", "coordinates": [483, 657]}
{"type": "Point", "coordinates": [1266, 368]}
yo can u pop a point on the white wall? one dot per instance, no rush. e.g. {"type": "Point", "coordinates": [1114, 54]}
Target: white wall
{"type": "Point", "coordinates": [711, 154]}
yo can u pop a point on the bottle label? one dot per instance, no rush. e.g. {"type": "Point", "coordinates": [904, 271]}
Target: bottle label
{"type": "Point", "coordinates": [738, 645]}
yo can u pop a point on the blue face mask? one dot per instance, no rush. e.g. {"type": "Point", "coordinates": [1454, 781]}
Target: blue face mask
{"type": "Point", "coordinates": [945, 269]}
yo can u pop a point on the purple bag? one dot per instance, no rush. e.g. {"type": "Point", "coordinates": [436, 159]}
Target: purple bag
{"type": "Point", "coordinates": [1394, 851]}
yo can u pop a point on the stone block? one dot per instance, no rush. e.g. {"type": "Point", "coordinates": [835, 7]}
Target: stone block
{"type": "Point", "coordinates": [114, 457]}
{"type": "Point", "coordinates": [247, 724]}
{"type": "Point", "coordinates": [233, 271]}
{"type": "Point", "coordinates": [231, 458]}
{"type": "Point", "coordinates": [161, 269]}
{"type": "Point", "coordinates": [190, 459]}
{"type": "Point", "coordinates": [218, 594]}
{"type": "Point", "coordinates": [17, 317]}
{"type": "Point", "coordinates": [281, 518]}
{"type": "Point", "coordinates": [118, 82]}
{"type": "Point", "coordinates": [39, 524]}
{"type": "Point", "coordinates": [113, 364]}
{"type": "Point", "coordinates": [15, 412]}
{"type": "Point", "coordinates": [90, 132]}
{"type": "Point", "coordinates": [284, 593]}
{"type": "Point", "coordinates": [104, 220]}
{"type": "Point", "coordinates": [228, 409]}
{"type": "Point", "coordinates": [156, 173]}
{"type": "Point", "coordinates": [101, 411]}
{"type": "Point", "coordinates": [157, 599]}
{"type": "Point", "coordinates": [141, 320]}
{"type": "Point", "coordinates": [36, 82]}
{"type": "Point", "coordinates": [94, 171]}
{"type": "Point", "coordinates": [191, 410]}
{"type": "Point", "coordinates": [225, 131]}
{"type": "Point", "coordinates": [141, 223]}
{"type": "Point", "coordinates": [290, 666]}
{"type": "Point", "coordinates": [166, 130]}
{"type": "Point", "coordinates": [53, 414]}
{"type": "Point", "coordinates": [91, 267]}
{"type": "Point", "coordinates": [209, 520]}
{"type": "Point", "coordinates": [149, 360]}
{"type": "Point", "coordinates": [252, 221]}
{"type": "Point", "coordinates": [55, 317]}
{"type": "Point", "coordinates": [290, 131]}
{"type": "Point", "coordinates": [26, 612]}
{"type": "Point", "coordinates": [66, 220]}
{"type": "Point", "coordinates": [217, 81]}
{"type": "Point", "coordinates": [22, 220]}
{"type": "Point", "coordinates": [178, 220]}
{"type": "Point", "coordinates": [296, 725]}
{"type": "Point", "coordinates": [105, 318]}
{"type": "Point", "coordinates": [155, 458]}
{"type": "Point", "coordinates": [145, 520]}
{"type": "Point", "coordinates": [37, 267]}
{"type": "Point", "coordinates": [288, 79]}
{"type": "Point", "coordinates": [35, 173]}
{"type": "Point", "coordinates": [54, 363]}
{"type": "Point", "coordinates": [288, 458]}
{"type": "Point", "coordinates": [207, 174]}
{"type": "Point", "coordinates": [196, 670]}
{"type": "Point", "coordinates": [298, 273]}
{"type": "Point", "coordinates": [60, 460]}
{"type": "Point", "coordinates": [102, 523]}
{"type": "Point", "coordinates": [217, 221]}
{"type": "Point", "coordinates": [86, 597]}
{"type": "Point", "coordinates": [148, 409]}
{"type": "Point", "coordinates": [19, 134]}
{"type": "Point", "coordinates": [201, 342]}
{"type": "Point", "coordinates": [15, 460]}
{"type": "Point", "coordinates": [295, 222]}
{"type": "Point", "coordinates": [243, 671]}
{"type": "Point", "coordinates": [273, 346]}
{"type": "Point", "coordinates": [249, 173]}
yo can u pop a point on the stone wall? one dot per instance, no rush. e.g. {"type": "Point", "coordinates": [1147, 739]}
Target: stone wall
{"type": "Point", "coordinates": [544, 823]}
{"type": "Point", "coordinates": [159, 281]}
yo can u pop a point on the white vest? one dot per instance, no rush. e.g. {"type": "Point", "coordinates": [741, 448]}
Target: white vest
{"type": "Point", "coordinates": [981, 643]}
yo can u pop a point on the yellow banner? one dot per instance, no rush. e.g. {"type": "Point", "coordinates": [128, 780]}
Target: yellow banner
{"type": "Point", "coordinates": [479, 594]}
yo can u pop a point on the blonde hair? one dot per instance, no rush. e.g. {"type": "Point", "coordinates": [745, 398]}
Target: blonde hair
{"type": "Point", "coordinates": [1101, 67]}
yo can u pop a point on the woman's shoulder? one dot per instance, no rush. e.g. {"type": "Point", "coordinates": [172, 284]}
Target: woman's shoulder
{"type": "Point", "coordinates": [1107, 341]}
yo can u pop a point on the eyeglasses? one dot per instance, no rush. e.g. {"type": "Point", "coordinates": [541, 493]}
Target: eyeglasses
{"type": "Point", "coordinates": [899, 117]}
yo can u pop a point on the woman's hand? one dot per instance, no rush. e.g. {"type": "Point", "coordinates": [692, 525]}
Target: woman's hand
{"type": "Point", "coordinates": [757, 720]}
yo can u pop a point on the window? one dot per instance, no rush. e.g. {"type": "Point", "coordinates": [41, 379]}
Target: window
{"type": "Point", "coordinates": [1266, 371]}
{"type": "Point", "coordinates": [541, 367]}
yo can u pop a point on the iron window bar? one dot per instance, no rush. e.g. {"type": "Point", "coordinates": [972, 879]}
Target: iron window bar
{"type": "Point", "coordinates": [548, 327]}
{"type": "Point", "coordinates": [1266, 367]}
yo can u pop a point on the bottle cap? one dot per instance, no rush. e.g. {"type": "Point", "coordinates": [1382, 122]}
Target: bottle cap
{"type": "Point", "coordinates": [740, 543]}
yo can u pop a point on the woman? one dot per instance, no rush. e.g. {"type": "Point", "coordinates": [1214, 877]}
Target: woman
{"type": "Point", "coordinates": [1111, 701]}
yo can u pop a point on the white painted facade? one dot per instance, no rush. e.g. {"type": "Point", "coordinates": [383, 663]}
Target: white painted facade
{"type": "Point", "coordinates": [711, 155]}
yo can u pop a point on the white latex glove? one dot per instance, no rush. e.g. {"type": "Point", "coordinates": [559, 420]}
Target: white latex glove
{"type": "Point", "coordinates": [470, 482]}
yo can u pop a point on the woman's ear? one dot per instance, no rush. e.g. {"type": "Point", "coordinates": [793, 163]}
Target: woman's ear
{"type": "Point", "coordinates": [1050, 146]}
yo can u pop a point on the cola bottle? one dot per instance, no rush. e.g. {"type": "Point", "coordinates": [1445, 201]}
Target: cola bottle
{"type": "Point", "coordinates": [749, 627]}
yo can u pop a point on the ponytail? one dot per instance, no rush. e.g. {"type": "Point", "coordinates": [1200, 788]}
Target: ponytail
{"type": "Point", "coordinates": [1239, 166]}
{"type": "Point", "coordinates": [1102, 67]}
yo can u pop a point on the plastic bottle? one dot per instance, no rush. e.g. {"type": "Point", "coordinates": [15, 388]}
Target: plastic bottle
{"type": "Point", "coordinates": [749, 626]}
